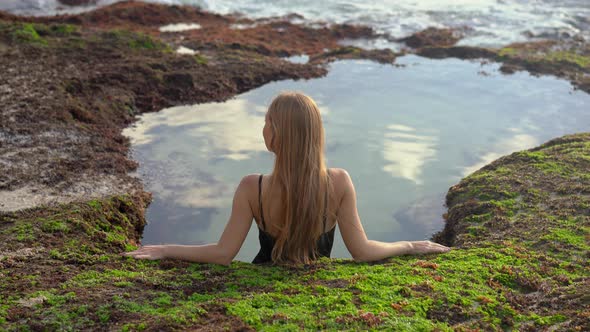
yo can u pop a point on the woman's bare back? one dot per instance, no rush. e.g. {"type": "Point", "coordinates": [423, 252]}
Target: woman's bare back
{"type": "Point", "coordinates": [271, 207]}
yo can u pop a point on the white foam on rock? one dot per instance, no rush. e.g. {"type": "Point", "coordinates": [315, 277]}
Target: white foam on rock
{"type": "Point", "coordinates": [242, 26]}
{"type": "Point", "coordinates": [304, 58]}
{"type": "Point", "coordinates": [185, 50]}
{"type": "Point", "coordinates": [178, 27]}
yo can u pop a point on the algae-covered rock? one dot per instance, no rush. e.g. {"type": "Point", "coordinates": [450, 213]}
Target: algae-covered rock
{"type": "Point", "coordinates": [433, 37]}
{"type": "Point", "coordinates": [519, 227]}
{"type": "Point", "coordinates": [568, 59]}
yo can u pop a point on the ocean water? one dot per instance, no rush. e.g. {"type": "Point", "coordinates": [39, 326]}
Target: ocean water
{"type": "Point", "coordinates": [485, 22]}
{"type": "Point", "coordinates": [404, 134]}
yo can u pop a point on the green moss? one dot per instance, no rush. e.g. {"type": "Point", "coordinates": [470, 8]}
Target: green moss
{"type": "Point", "coordinates": [133, 327]}
{"type": "Point", "coordinates": [548, 320]}
{"type": "Point", "coordinates": [58, 313]}
{"type": "Point", "coordinates": [95, 278]}
{"type": "Point", "coordinates": [553, 168]}
{"type": "Point", "coordinates": [347, 50]}
{"type": "Point", "coordinates": [135, 40]}
{"type": "Point", "coordinates": [33, 280]}
{"type": "Point", "coordinates": [52, 298]}
{"type": "Point", "coordinates": [199, 298]}
{"type": "Point", "coordinates": [143, 42]}
{"type": "Point", "coordinates": [163, 299]}
{"type": "Point", "coordinates": [253, 277]}
{"type": "Point", "coordinates": [55, 226]}
{"type": "Point", "coordinates": [3, 312]}
{"type": "Point", "coordinates": [571, 57]}
{"type": "Point", "coordinates": [63, 29]}
{"type": "Point", "coordinates": [533, 155]}
{"type": "Point", "coordinates": [55, 30]}
{"type": "Point", "coordinates": [123, 284]}
{"type": "Point", "coordinates": [95, 204]}
{"type": "Point", "coordinates": [476, 231]}
{"type": "Point", "coordinates": [569, 236]}
{"type": "Point", "coordinates": [104, 313]}
{"type": "Point", "coordinates": [508, 206]}
{"type": "Point", "coordinates": [130, 247]}
{"type": "Point", "coordinates": [200, 59]}
{"type": "Point", "coordinates": [26, 33]}
{"type": "Point", "coordinates": [507, 52]}
{"type": "Point", "coordinates": [407, 287]}
{"type": "Point", "coordinates": [181, 312]}
{"type": "Point", "coordinates": [113, 237]}
{"type": "Point", "coordinates": [56, 254]}
{"type": "Point", "coordinates": [23, 231]}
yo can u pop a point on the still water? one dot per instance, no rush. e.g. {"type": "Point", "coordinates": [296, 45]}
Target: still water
{"type": "Point", "coordinates": [405, 134]}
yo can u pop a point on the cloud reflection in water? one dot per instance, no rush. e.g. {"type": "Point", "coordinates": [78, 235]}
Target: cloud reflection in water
{"type": "Point", "coordinates": [232, 129]}
{"type": "Point", "coordinates": [406, 153]}
{"type": "Point", "coordinates": [505, 146]}
{"type": "Point", "coordinates": [211, 132]}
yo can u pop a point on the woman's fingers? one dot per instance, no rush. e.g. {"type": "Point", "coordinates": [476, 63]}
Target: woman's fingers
{"type": "Point", "coordinates": [146, 252]}
{"type": "Point", "coordinates": [428, 247]}
{"type": "Point", "coordinates": [435, 247]}
{"type": "Point", "coordinates": [439, 246]}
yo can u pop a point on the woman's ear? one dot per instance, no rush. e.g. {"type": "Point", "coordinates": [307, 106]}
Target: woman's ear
{"type": "Point", "coordinates": [271, 143]}
{"type": "Point", "coordinates": [268, 133]}
{"type": "Point", "coordinates": [272, 138]}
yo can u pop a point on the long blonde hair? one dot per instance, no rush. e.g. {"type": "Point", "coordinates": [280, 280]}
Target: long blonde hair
{"type": "Point", "coordinates": [299, 178]}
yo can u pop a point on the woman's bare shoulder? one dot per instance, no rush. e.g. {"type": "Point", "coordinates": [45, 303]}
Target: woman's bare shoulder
{"type": "Point", "coordinates": [340, 179]}
{"type": "Point", "coordinates": [249, 184]}
{"type": "Point", "coordinates": [250, 179]}
{"type": "Point", "coordinates": [339, 174]}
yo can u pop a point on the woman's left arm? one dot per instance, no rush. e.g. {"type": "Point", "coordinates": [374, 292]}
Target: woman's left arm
{"type": "Point", "coordinates": [222, 252]}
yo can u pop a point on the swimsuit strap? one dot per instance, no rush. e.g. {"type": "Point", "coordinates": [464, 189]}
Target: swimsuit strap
{"type": "Point", "coordinates": [326, 203]}
{"type": "Point", "coordinates": [260, 201]}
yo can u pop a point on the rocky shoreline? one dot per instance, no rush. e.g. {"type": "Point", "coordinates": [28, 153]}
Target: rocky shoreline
{"type": "Point", "coordinates": [70, 84]}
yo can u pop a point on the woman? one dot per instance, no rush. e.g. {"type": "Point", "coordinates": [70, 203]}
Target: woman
{"type": "Point", "coordinates": [297, 206]}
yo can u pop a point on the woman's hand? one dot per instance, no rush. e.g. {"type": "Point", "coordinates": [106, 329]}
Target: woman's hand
{"type": "Point", "coordinates": [148, 252]}
{"type": "Point", "coordinates": [427, 247]}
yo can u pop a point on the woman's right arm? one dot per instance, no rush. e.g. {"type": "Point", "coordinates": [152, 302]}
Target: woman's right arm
{"type": "Point", "coordinates": [355, 239]}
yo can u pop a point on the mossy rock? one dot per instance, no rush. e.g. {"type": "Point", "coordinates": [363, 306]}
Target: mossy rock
{"type": "Point", "coordinates": [520, 261]}
{"type": "Point", "coordinates": [23, 33]}
{"type": "Point", "coordinates": [133, 40]}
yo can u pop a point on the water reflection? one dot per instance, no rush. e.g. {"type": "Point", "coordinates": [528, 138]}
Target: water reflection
{"type": "Point", "coordinates": [505, 146]}
{"type": "Point", "coordinates": [407, 153]}
{"type": "Point", "coordinates": [184, 153]}
{"type": "Point", "coordinates": [167, 218]}
{"type": "Point", "coordinates": [421, 217]}
{"type": "Point", "coordinates": [231, 130]}
{"type": "Point", "coordinates": [404, 134]}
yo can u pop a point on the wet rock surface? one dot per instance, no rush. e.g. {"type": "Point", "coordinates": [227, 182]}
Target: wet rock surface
{"type": "Point", "coordinates": [432, 37]}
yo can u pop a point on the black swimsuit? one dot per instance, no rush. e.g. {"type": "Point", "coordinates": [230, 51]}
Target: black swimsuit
{"type": "Point", "coordinates": [267, 242]}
